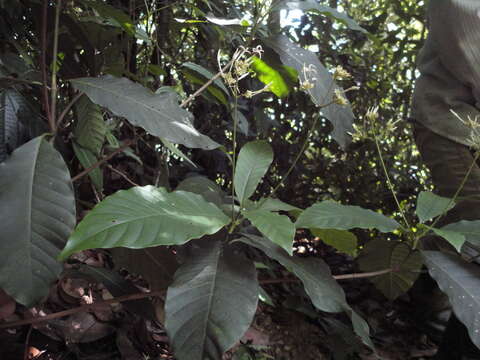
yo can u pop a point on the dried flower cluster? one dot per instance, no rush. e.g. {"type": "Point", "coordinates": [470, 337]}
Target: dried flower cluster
{"type": "Point", "coordinates": [474, 125]}
{"type": "Point", "coordinates": [240, 68]}
{"type": "Point", "coordinates": [372, 128]}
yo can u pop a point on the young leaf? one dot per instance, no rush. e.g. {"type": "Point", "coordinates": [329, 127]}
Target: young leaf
{"type": "Point", "coordinates": [319, 284]}
{"type": "Point", "coordinates": [430, 205]}
{"type": "Point", "coordinates": [38, 214]}
{"type": "Point", "coordinates": [406, 264]}
{"type": "Point", "coordinates": [145, 216]}
{"type": "Point", "coordinates": [280, 80]}
{"type": "Point", "coordinates": [253, 162]}
{"type": "Point", "coordinates": [332, 215]}
{"type": "Point", "coordinates": [342, 240]}
{"type": "Point", "coordinates": [310, 5]}
{"type": "Point", "coordinates": [90, 129]}
{"type": "Point", "coordinates": [299, 58]}
{"type": "Point", "coordinates": [87, 159]}
{"type": "Point", "coordinates": [211, 302]}
{"type": "Point", "coordinates": [460, 280]}
{"type": "Point", "coordinates": [277, 228]}
{"type": "Point", "coordinates": [159, 114]}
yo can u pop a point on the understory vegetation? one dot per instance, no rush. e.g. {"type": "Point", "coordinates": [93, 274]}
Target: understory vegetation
{"type": "Point", "coordinates": [196, 139]}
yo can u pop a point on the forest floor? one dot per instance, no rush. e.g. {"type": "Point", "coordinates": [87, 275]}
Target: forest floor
{"type": "Point", "coordinates": [293, 331]}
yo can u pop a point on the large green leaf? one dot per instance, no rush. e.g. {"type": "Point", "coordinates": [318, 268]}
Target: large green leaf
{"type": "Point", "coordinates": [87, 159]}
{"type": "Point", "coordinates": [406, 264]}
{"type": "Point", "coordinates": [277, 228]}
{"type": "Point", "coordinates": [211, 302]}
{"type": "Point", "coordinates": [299, 58]}
{"type": "Point", "coordinates": [253, 162]}
{"type": "Point", "coordinates": [456, 239]}
{"type": "Point", "coordinates": [37, 216]}
{"type": "Point", "coordinates": [90, 128]}
{"type": "Point", "coordinates": [159, 114]}
{"type": "Point", "coordinates": [313, 5]}
{"type": "Point", "coordinates": [430, 205]}
{"type": "Point", "coordinates": [332, 215]}
{"type": "Point", "coordinates": [319, 284]}
{"type": "Point", "coordinates": [341, 240]}
{"type": "Point", "coordinates": [143, 217]}
{"type": "Point", "coordinates": [469, 229]}
{"type": "Point", "coordinates": [460, 280]}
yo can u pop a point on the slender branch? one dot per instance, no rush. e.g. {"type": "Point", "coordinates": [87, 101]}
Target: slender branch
{"type": "Point", "coordinates": [27, 341]}
{"type": "Point", "coordinates": [207, 84]}
{"type": "Point", "coordinates": [82, 308]}
{"type": "Point", "coordinates": [363, 275]}
{"type": "Point", "coordinates": [67, 109]}
{"type": "Point", "coordinates": [122, 175]}
{"type": "Point", "coordinates": [46, 103]}
{"type": "Point", "coordinates": [53, 92]}
{"type": "Point", "coordinates": [336, 277]}
{"type": "Point", "coordinates": [297, 158]}
{"type": "Point", "coordinates": [389, 181]}
{"type": "Point", "coordinates": [101, 161]}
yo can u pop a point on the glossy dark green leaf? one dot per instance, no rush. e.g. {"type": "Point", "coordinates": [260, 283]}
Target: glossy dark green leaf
{"type": "Point", "coordinates": [460, 280]}
{"type": "Point", "coordinates": [277, 228]}
{"type": "Point", "coordinates": [253, 162]}
{"type": "Point", "coordinates": [211, 302]}
{"type": "Point", "coordinates": [159, 114]}
{"type": "Point", "coordinates": [87, 159]}
{"type": "Point", "coordinates": [319, 284]}
{"type": "Point", "coordinates": [332, 215]}
{"type": "Point", "coordinates": [379, 254]}
{"type": "Point", "coordinates": [143, 217]}
{"type": "Point", "coordinates": [37, 216]}
{"type": "Point", "coordinates": [90, 128]}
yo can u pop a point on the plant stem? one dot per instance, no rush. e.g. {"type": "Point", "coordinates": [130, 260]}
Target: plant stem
{"type": "Point", "coordinates": [53, 92]}
{"type": "Point", "coordinates": [336, 277]}
{"type": "Point", "coordinates": [234, 155]}
{"type": "Point", "coordinates": [67, 109]}
{"type": "Point", "coordinates": [101, 161]}
{"type": "Point", "coordinates": [82, 308]}
{"type": "Point", "coordinates": [297, 158]}
{"type": "Point", "coordinates": [389, 181]}
{"type": "Point", "coordinates": [46, 103]}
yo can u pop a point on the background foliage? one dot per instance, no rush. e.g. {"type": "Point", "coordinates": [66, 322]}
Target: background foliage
{"type": "Point", "coordinates": [137, 61]}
